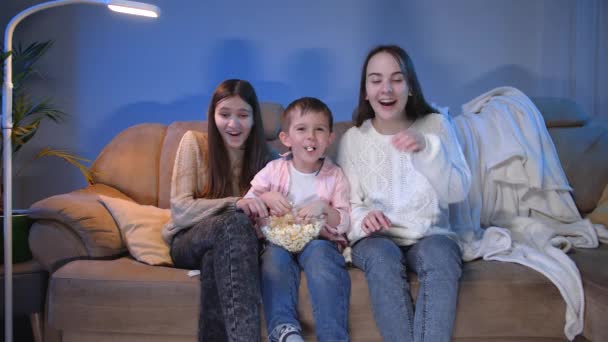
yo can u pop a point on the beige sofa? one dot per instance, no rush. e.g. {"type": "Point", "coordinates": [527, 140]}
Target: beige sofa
{"type": "Point", "coordinates": [99, 293]}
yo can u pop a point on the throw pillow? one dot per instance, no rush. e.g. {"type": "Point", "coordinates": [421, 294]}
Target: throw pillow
{"type": "Point", "coordinates": [141, 227]}
{"type": "Point", "coordinates": [600, 214]}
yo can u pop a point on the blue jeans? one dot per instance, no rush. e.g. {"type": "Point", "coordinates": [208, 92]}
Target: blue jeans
{"type": "Point", "coordinates": [437, 261]}
{"type": "Point", "coordinates": [328, 286]}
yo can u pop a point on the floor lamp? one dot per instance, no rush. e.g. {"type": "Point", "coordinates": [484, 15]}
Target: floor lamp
{"type": "Point", "coordinates": [123, 6]}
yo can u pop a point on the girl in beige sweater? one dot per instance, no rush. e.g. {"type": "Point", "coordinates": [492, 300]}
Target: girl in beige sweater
{"type": "Point", "coordinates": [211, 227]}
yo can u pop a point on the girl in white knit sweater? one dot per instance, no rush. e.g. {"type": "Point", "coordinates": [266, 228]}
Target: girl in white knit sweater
{"type": "Point", "coordinates": [404, 166]}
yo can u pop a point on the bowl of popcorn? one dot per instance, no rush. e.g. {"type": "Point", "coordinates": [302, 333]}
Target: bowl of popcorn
{"type": "Point", "coordinates": [286, 232]}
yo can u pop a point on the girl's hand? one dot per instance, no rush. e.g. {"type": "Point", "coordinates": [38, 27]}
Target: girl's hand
{"type": "Point", "coordinates": [313, 210]}
{"type": "Point", "coordinates": [409, 140]}
{"type": "Point", "coordinates": [276, 202]}
{"type": "Point", "coordinates": [375, 221]}
{"type": "Point", "coordinates": [253, 207]}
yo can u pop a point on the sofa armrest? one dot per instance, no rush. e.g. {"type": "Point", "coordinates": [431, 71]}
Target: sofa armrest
{"type": "Point", "coordinates": [75, 225]}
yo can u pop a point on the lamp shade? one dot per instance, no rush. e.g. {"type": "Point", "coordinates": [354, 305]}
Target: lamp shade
{"type": "Point", "coordinates": [134, 7]}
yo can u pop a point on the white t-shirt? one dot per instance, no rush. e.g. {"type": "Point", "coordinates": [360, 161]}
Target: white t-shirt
{"type": "Point", "coordinates": [302, 187]}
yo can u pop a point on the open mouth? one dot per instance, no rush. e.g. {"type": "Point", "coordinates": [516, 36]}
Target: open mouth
{"type": "Point", "coordinates": [310, 148]}
{"type": "Point", "coordinates": [234, 134]}
{"type": "Point", "coordinates": [387, 103]}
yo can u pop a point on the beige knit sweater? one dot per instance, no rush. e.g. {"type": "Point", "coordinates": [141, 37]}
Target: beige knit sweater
{"type": "Point", "coordinates": [189, 178]}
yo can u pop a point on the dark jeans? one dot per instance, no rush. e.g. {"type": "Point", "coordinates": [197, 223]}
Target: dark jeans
{"type": "Point", "coordinates": [225, 249]}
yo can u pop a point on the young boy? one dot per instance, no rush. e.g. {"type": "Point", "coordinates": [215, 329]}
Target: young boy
{"type": "Point", "coordinates": [309, 184]}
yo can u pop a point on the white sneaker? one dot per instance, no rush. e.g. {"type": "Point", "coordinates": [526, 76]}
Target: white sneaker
{"type": "Point", "coordinates": [289, 333]}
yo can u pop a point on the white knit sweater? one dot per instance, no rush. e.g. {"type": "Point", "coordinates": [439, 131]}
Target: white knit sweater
{"type": "Point", "coordinates": [412, 189]}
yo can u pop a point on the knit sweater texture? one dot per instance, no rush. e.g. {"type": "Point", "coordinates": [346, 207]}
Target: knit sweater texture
{"type": "Point", "coordinates": [190, 176]}
{"type": "Point", "coordinates": [413, 190]}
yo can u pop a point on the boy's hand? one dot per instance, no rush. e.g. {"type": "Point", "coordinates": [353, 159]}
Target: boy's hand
{"type": "Point", "coordinates": [375, 221]}
{"type": "Point", "coordinates": [276, 202]}
{"type": "Point", "coordinates": [409, 140]}
{"type": "Point", "coordinates": [252, 207]}
{"type": "Point", "coordinates": [313, 210]}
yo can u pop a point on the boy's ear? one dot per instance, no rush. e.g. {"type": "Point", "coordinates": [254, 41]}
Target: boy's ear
{"type": "Point", "coordinates": [284, 139]}
{"type": "Point", "coordinates": [332, 137]}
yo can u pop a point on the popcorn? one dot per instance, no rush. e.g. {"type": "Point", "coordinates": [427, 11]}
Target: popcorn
{"type": "Point", "coordinates": [285, 232]}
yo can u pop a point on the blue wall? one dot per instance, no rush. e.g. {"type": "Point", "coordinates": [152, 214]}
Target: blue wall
{"type": "Point", "coordinates": [110, 71]}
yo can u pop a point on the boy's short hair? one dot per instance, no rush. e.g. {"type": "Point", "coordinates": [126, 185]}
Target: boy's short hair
{"type": "Point", "coordinates": [306, 105]}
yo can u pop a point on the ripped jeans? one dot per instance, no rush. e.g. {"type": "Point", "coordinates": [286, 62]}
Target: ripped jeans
{"type": "Point", "coordinates": [225, 249]}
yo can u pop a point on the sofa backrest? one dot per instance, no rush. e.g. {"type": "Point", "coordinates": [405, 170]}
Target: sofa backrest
{"type": "Point", "coordinates": [581, 144]}
{"type": "Point", "coordinates": [139, 160]}
{"type": "Point", "coordinates": [130, 162]}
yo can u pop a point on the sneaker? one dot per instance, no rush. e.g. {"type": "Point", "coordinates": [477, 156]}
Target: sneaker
{"type": "Point", "coordinates": [289, 333]}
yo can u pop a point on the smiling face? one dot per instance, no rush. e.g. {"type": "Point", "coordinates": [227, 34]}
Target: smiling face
{"type": "Point", "coordinates": [386, 88]}
{"type": "Point", "coordinates": [308, 136]}
{"type": "Point", "coordinates": [234, 119]}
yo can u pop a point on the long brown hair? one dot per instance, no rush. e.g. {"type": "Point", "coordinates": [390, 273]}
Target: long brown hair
{"type": "Point", "coordinates": [219, 181]}
{"type": "Point", "coordinates": [416, 106]}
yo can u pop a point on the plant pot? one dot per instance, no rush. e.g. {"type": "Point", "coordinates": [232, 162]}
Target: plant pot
{"type": "Point", "coordinates": [21, 229]}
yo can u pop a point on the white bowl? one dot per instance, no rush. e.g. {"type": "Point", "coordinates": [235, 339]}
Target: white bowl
{"type": "Point", "coordinates": [285, 232]}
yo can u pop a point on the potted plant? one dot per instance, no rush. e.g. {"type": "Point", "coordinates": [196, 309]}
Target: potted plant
{"type": "Point", "coordinates": [28, 115]}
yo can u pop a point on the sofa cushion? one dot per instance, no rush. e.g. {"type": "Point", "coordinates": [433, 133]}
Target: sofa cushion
{"type": "Point", "coordinates": [506, 299]}
{"type": "Point", "coordinates": [175, 131]}
{"type": "Point", "coordinates": [592, 265]}
{"type": "Point", "coordinates": [123, 296]}
{"type": "Point", "coordinates": [81, 211]}
{"type": "Point", "coordinates": [271, 116]}
{"type": "Point", "coordinates": [339, 129]}
{"type": "Point", "coordinates": [130, 162]}
{"type": "Point", "coordinates": [560, 112]}
{"type": "Point", "coordinates": [600, 214]}
{"type": "Point", "coordinates": [141, 227]}
{"type": "Point", "coordinates": [584, 162]}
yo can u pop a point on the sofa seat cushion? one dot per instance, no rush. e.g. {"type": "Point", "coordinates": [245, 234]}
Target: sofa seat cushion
{"type": "Point", "coordinates": [123, 296]}
{"type": "Point", "coordinates": [496, 300]}
{"type": "Point", "coordinates": [499, 299]}
{"type": "Point", "coordinates": [592, 265]}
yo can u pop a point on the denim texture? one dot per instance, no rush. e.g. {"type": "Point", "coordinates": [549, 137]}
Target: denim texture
{"type": "Point", "coordinates": [328, 287]}
{"type": "Point", "coordinates": [437, 261]}
{"type": "Point", "coordinates": [225, 249]}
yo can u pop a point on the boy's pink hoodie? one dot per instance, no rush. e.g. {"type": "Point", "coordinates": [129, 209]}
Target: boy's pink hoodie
{"type": "Point", "coordinates": [332, 186]}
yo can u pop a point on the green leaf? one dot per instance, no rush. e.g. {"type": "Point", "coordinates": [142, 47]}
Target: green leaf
{"type": "Point", "coordinates": [69, 158]}
{"type": "Point", "coordinates": [30, 113]}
